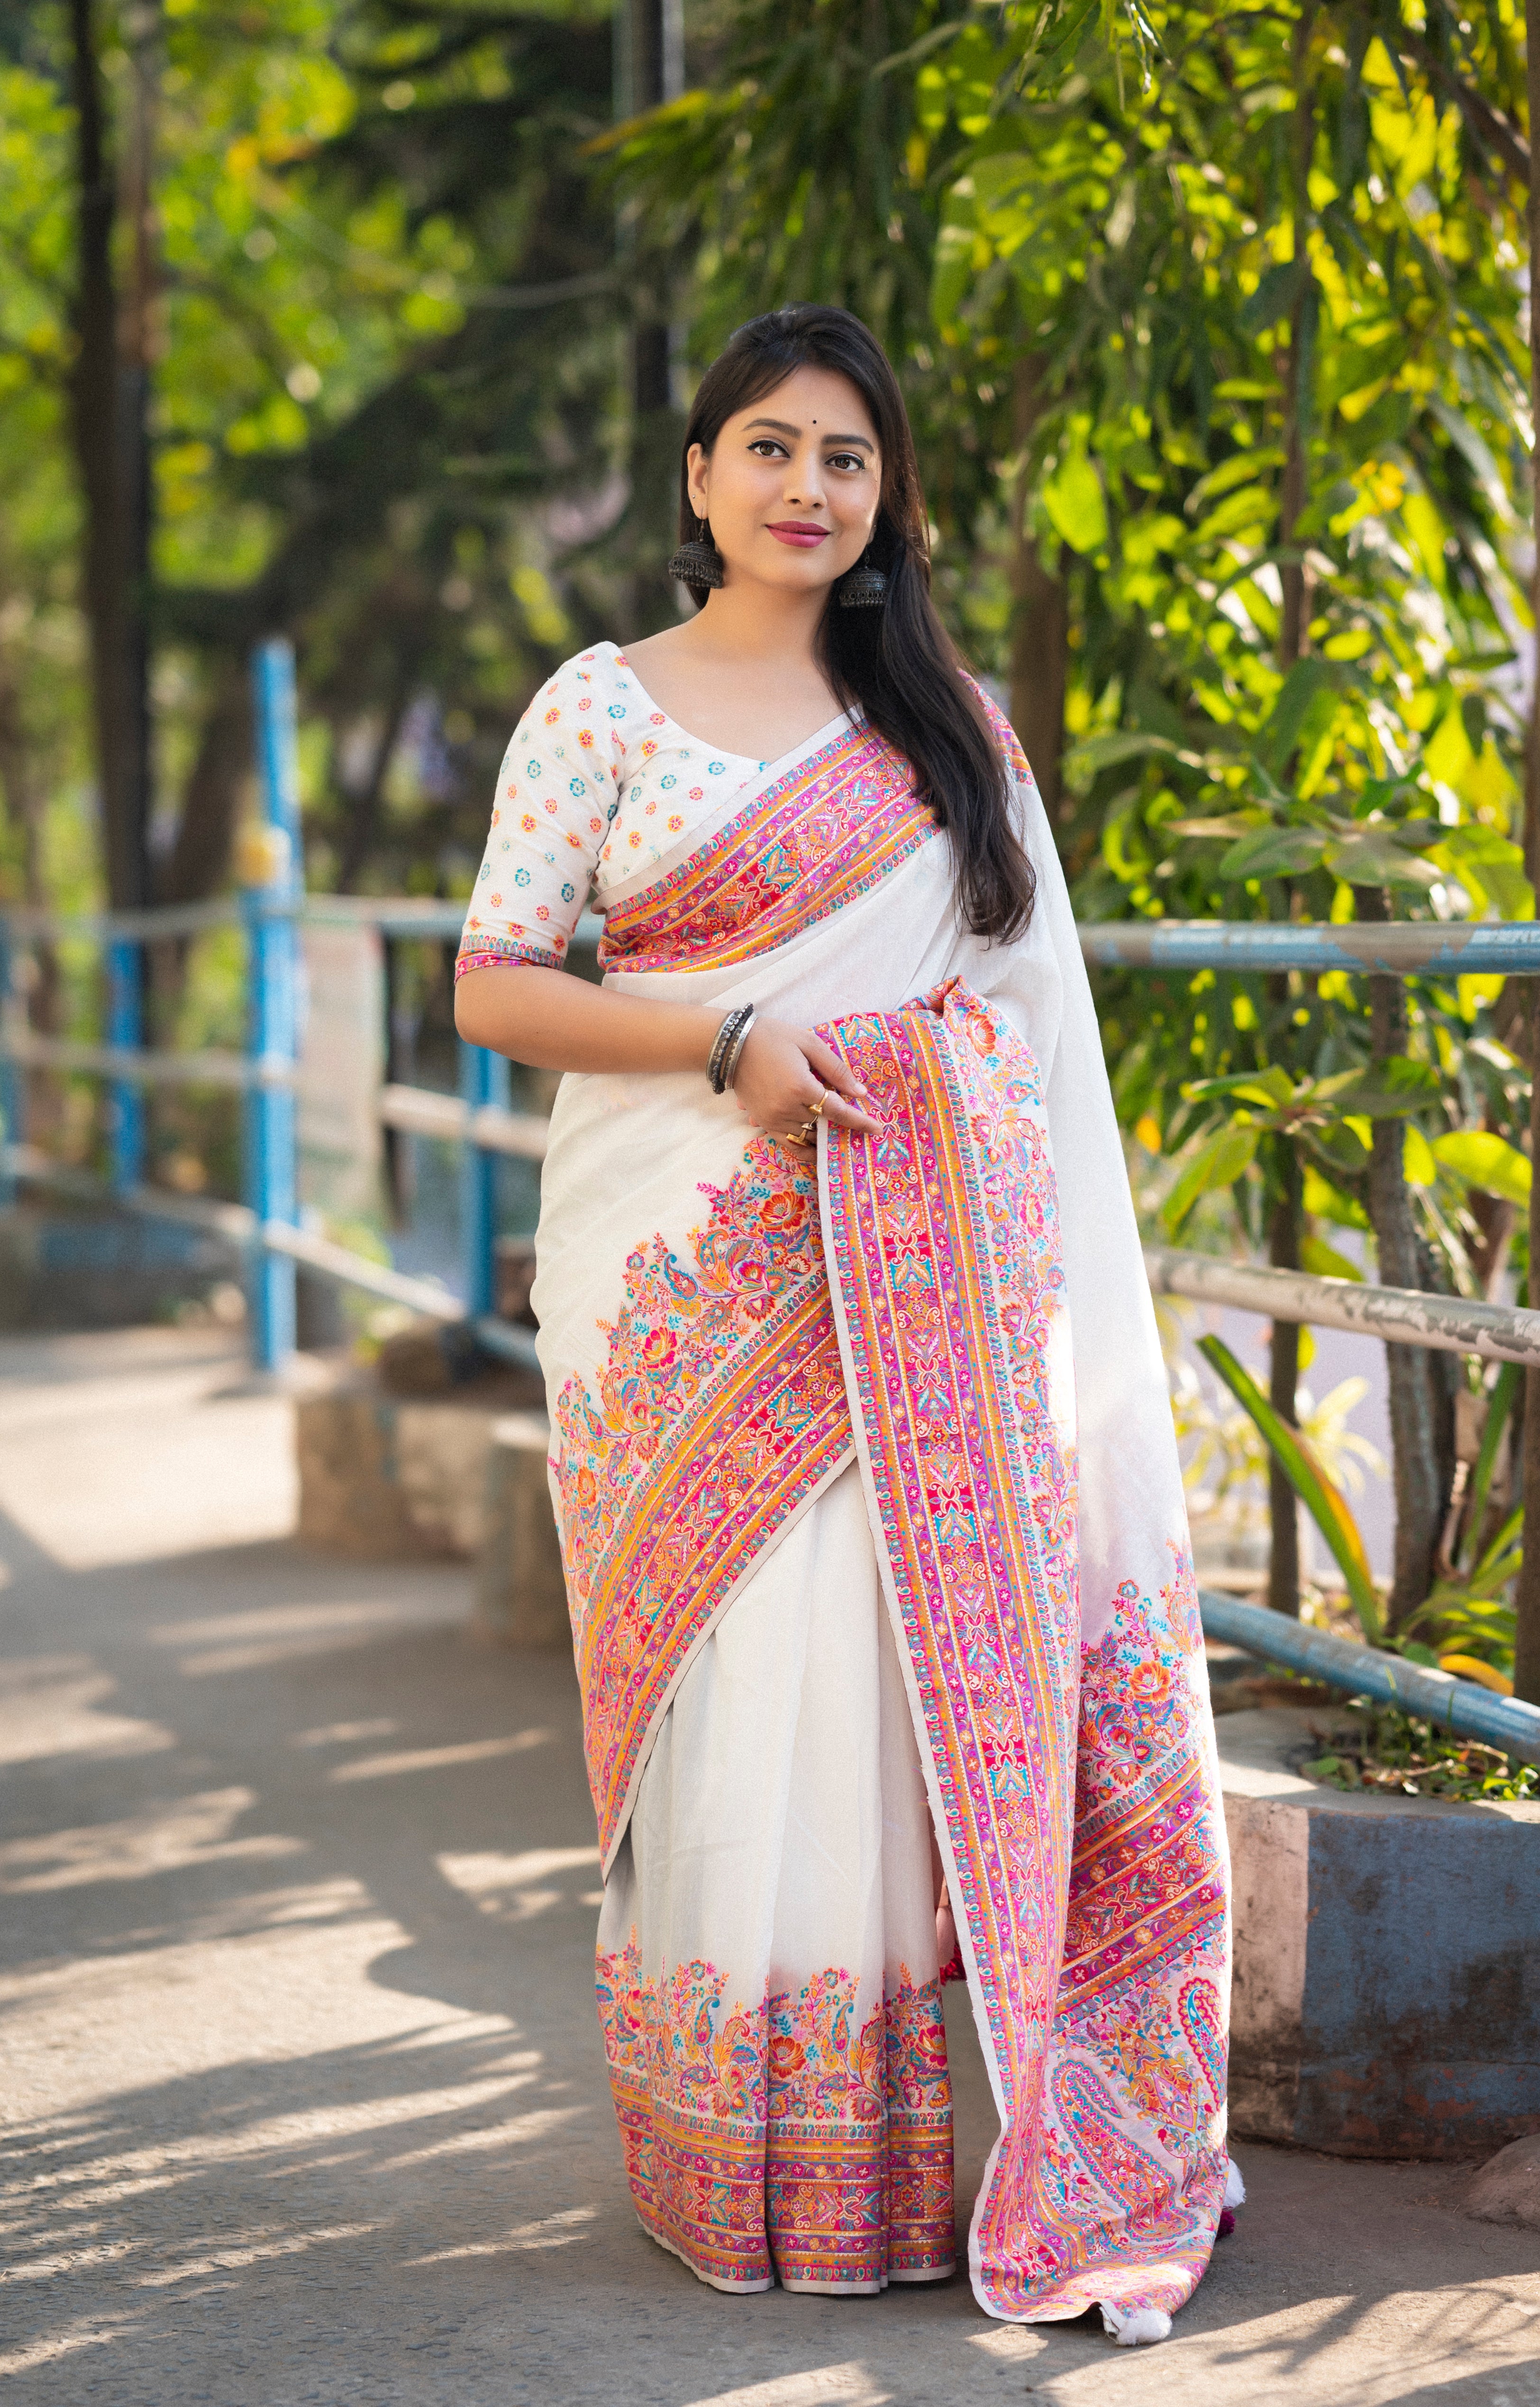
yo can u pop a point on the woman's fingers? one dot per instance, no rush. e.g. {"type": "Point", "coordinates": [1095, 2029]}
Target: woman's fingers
{"type": "Point", "coordinates": [839, 1114]}
{"type": "Point", "coordinates": [788, 1078]}
{"type": "Point", "coordinates": [826, 1064]}
{"type": "Point", "coordinates": [844, 1097]}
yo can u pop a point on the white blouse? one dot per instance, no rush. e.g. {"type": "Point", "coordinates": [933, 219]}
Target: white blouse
{"type": "Point", "coordinates": [596, 785]}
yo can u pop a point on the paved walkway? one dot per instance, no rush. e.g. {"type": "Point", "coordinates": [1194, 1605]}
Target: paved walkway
{"type": "Point", "coordinates": [300, 2065]}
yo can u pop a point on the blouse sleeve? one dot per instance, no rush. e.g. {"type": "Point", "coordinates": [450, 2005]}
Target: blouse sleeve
{"type": "Point", "coordinates": [557, 792]}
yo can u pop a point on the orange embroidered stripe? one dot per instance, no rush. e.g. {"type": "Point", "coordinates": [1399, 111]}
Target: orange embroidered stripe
{"type": "Point", "coordinates": [827, 832]}
{"type": "Point", "coordinates": [769, 1434]}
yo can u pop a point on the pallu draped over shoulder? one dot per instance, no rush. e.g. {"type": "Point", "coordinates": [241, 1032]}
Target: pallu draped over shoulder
{"type": "Point", "coordinates": [872, 1523]}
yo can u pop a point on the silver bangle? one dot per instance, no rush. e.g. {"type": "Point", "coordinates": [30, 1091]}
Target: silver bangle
{"type": "Point", "coordinates": [726, 1045]}
{"type": "Point", "coordinates": [735, 1050]}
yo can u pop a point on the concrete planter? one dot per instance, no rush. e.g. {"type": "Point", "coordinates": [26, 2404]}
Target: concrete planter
{"type": "Point", "coordinates": [382, 1477]}
{"type": "Point", "coordinates": [520, 1593]}
{"type": "Point", "coordinates": [1386, 1997]}
{"type": "Point", "coordinates": [86, 1268]}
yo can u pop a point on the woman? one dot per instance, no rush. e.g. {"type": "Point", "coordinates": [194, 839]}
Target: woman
{"type": "Point", "coordinates": [849, 1598]}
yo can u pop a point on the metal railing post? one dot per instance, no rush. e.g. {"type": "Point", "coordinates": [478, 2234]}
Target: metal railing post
{"type": "Point", "coordinates": [13, 1077]}
{"type": "Point", "coordinates": [271, 1164]}
{"type": "Point", "coordinates": [126, 1026]}
{"type": "Point", "coordinates": [483, 1079]}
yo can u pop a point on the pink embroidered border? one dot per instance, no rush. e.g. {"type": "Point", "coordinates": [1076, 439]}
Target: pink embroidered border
{"type": "Point", "coordinates": [795, 2135]}
{"type": "Point", "coordinates": [480, 951]}
{"type": "Point", "coordinates": [944, 1250]}
{"type": "Point", "coordinates": [826, 831]}
{"type": "Point", "coordinates": [718, 1409]}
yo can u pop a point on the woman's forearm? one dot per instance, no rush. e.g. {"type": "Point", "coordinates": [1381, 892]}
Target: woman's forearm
{"type": "Point", "coordinates": [551, 1020]}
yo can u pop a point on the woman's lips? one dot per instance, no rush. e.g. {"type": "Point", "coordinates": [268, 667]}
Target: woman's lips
{"type": "Point", "coordinates": [793, 532]}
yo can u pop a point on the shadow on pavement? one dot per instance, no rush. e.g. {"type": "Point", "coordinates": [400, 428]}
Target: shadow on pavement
{"type": "Point", "coordinates": [305, 2093]}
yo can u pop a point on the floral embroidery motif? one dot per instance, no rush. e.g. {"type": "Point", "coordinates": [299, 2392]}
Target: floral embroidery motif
{"type": "Point", "coordinates": [1109, 2174]}
{"type": "Point", "coordinates": [825, 833]}
{"type": "Point", "coordinates": [795, 2135]}
{"type": "Point", "coordinates": [720, 1407]}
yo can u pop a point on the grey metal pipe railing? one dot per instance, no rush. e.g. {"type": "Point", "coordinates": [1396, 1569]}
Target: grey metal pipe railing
{"type": "Point", "coordinates": [1403, 948]}
{"type": "Point", "coordinates": [1498, 1332]}
{"type": "Point", "coordinates": [142, 1066]}
{"type": "Point", "coordinates": [424, 1112]}
{"type": "Point", "coordinates": [401, 915]}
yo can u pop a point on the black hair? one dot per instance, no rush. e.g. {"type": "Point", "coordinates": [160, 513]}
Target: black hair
{"type": "Point", "coordinates": [897, 662]}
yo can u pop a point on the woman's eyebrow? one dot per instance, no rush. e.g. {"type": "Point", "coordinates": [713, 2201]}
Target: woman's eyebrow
{"type": "Point", "coordinates": [779, 426]}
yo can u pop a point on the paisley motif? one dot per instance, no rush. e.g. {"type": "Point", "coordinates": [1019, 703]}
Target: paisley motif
{"type": "Point", "coordinates": [1199, 2008]}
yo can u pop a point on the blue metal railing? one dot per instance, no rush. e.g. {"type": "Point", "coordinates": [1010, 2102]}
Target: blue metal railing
{"type": "Point", "coordinates": [271, 1142]}
{"type": "Point", "coordinates": [268, 1222]}
{"type": "Point", "coordinates": [1457, 1705]}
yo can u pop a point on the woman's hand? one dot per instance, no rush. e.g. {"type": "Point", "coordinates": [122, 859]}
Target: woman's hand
{"type": "Point", "coordinates": [784, 1071]}
{"type": "Point", "coordinates": [557, 1023]}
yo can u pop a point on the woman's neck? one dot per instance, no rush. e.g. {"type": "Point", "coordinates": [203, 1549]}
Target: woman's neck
{"type": "Point", "coordinates": [743, 674]}
{"type": "Point", "coordinates": [747, 621]}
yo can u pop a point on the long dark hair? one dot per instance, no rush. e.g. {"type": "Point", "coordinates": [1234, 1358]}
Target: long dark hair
{"type": "Point", "coordinates": [897, 662]}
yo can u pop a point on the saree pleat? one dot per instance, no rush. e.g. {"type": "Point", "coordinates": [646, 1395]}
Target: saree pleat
{"type": "Point", "coordinates": [767, 1975]}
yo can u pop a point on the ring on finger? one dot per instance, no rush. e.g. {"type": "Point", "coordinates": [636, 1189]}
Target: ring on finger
{"type": "Point", "coordinates": [805, 1136]}
{"type": "Point", "coordinates": [815, 1111]}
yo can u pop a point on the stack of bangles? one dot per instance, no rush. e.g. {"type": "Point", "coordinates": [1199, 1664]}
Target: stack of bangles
{"type": "Point", "coordinates": [721, 1069]}
{"type": "Point", "coordinates": [726, 1053]}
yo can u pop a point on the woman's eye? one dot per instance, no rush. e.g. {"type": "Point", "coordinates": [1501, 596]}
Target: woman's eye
{"type": "Point", "coordinates": [846, 460]}
{"type": "Point", "coordinates": [768, 448]}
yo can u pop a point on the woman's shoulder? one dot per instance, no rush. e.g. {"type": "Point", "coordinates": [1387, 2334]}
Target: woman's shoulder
{"type": "Point", "coordinates": [598, 670]}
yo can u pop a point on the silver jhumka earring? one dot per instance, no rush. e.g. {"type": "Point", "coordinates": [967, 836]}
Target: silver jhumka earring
{"type": "Point", "coordinates": [864, 588]}
{"type": "Point", "coordinates": [698, 563]}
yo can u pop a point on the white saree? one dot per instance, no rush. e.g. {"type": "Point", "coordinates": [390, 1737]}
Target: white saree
{"type": "Point", "coordinates": [873, 1524]}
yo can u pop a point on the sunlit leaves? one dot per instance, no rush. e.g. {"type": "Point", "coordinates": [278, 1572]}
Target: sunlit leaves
{"type": "Point", "coordinates": [1074, 503]}
{"type": "Point", "coordinates": [1486, 1161]}
{"type": "Point", "coordinates": [1224, 1159]}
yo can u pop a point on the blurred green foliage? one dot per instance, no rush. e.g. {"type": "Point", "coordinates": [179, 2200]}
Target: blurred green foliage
{"type": "Point", "coordinates": [1213, 325]}
{"type": "Point", "coordinates": [386, 411]}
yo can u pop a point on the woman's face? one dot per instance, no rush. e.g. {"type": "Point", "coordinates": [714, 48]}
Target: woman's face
{"type": "Point", "coordinates": [791, 484]}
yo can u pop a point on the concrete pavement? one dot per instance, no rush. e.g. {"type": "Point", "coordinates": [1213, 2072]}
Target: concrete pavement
{"type": "Point", "coordinates": [302, 2087]}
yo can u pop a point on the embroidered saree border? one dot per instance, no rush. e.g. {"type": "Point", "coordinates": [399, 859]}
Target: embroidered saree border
{"type": "Point", "coordinates": [798, 850]}
{"type": "Point", "coordinates": [719, 1412]}
{"type": "Point", "coordinates": [1098, 1979]}
{"type": "Point", "coordinates": [797, 2136]}
{"type": "Point", "coordinates": [992, 1636]}
{"type": "Point", "coordinates": [1082, 1821]}
{"type": "Point", "coordinates": [480, 949]}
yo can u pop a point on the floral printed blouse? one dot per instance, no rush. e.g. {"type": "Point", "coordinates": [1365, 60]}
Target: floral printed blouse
{"type": "Point", "coordinates": [596, 785]}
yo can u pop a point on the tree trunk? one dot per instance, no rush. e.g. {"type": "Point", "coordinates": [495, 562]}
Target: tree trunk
{"type": "Point", "coordinates": [1283, 1564]}
{"type": "Point", "coordinates": [1298, 406]}
{"type": "Point", "coordinates": [1526, 1663]}
{"type": "Point", "coordinates": [24, 806]}
{"type": "Point", "coordinates": [650, 71]}
{"type": "Point", "coordinates": [1526, 1653]}
{"type": "Point", "coordinates": [1039, 659]}
{"type": "Point", "coordinates": [363, 806]}
{"type": "Point", "coordinates": [199, 860]}
{"type": "Point", "coordinates": [1416, 1417]}
{"type": "Point", "coordinates": [1283, 1570]}
{"type": "Point", "coordinates": [110, 395]}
